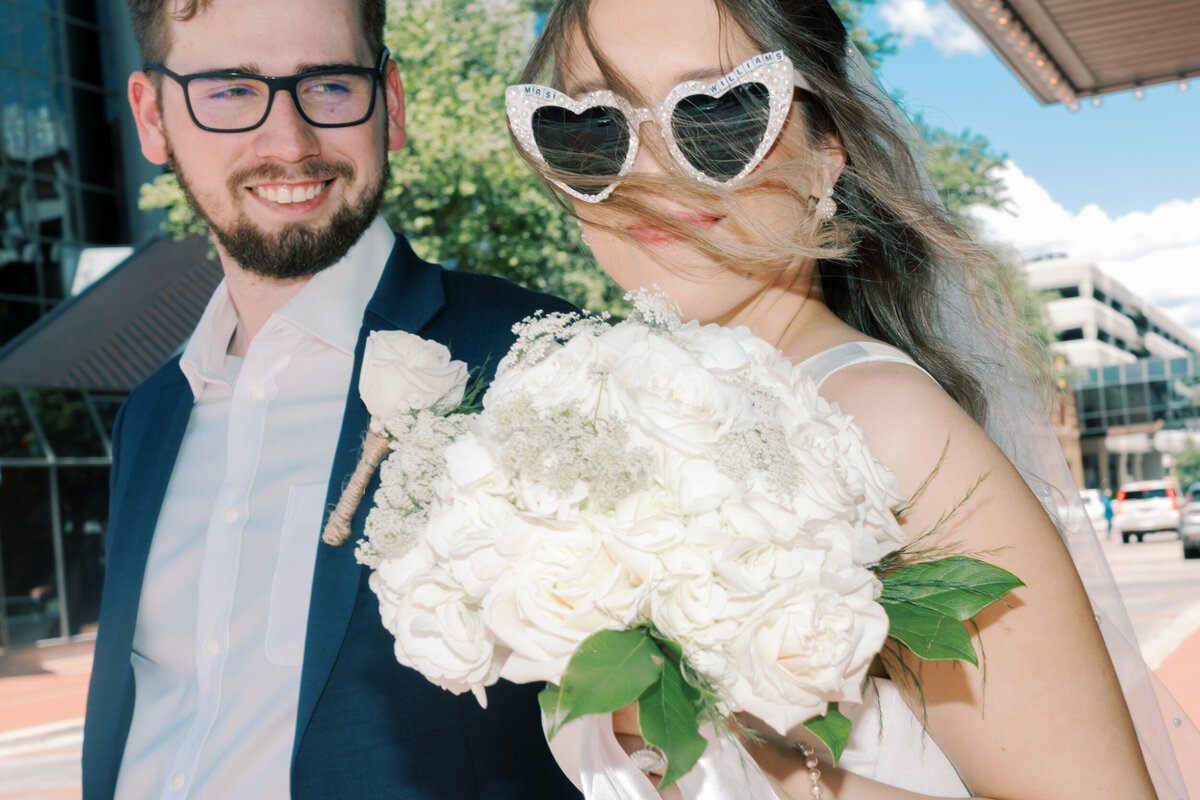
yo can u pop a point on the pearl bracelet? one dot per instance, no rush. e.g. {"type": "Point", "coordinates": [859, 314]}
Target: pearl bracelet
{"type": "Point", "coordinates": [810, 761]}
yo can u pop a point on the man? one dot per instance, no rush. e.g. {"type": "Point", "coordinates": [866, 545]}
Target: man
{"type": "Point", "coordinates": [237, 657]}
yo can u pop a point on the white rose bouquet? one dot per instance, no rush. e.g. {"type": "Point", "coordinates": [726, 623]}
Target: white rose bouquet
{"type": "Point", "coordinates": [657, 512]}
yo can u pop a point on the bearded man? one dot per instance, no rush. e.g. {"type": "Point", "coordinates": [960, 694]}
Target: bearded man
{"type": "Point", "coordinates": [237, 656]}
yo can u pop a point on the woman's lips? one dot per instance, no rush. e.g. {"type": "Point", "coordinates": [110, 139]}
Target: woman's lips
{"type": "Point", "coordinates": [657, 237]}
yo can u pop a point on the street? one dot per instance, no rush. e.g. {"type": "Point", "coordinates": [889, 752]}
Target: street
{"type": "Point", "coordinates": [1161, 590]}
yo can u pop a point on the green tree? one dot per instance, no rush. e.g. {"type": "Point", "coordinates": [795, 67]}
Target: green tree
{"type": "Point", "coordinates": [1188, 468]}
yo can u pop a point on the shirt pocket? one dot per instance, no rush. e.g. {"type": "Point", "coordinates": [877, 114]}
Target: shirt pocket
{"type": "Point", "coordinates": [291, 587]}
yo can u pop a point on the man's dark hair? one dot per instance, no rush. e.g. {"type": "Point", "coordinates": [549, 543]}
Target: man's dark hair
{"type": "Point", "coordinates": [153, 40]}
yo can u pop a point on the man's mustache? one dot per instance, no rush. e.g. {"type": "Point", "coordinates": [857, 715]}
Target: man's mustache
{"type": "Point", "coordinates": [308, 170]}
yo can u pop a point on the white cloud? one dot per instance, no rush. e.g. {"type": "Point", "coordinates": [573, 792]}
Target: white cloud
{"type": "Point", "coordinates": [937, 22]}
{"type": "Point", "coordinates": [1154, 253]}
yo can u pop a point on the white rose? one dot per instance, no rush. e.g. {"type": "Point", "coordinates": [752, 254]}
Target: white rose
{"type": "Point", "coordinates": [808, 646]}
{"type": "Point", "coordinates": [438, 632]}
{"type": "Point", "coordinates": [672, 399]}
{"type": "Point", "coordinates": [403, 372]}
{"type": "Point", "coordinates": [565, 377]}
{"type": "Point", "coordinates": [562, 586]}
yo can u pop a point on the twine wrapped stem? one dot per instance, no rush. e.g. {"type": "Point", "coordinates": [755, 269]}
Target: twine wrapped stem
{"type": "Point", "coordinates": [337, 528]}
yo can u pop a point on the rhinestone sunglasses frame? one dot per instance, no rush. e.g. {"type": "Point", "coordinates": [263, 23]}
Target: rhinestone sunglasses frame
{"type": "Point", "coordinates": [773, 70]}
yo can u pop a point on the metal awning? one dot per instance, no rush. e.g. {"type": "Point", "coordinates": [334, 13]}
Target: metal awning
{"type": "Point", "coordinates": [113, 335]}
{"type": "Point", "coordinates": [1063, 50]}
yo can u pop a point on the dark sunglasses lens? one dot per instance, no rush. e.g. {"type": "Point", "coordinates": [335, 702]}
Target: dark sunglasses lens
{"type": "Point", "coordinates": [718, 135]}
{"type": "Point", "coordinates": [592, 144]}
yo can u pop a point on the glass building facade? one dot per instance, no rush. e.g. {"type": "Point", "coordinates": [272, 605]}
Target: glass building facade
{"type": "Point", "coordinates": [1124, 412]}
{"type": "Point", "coordinates": [69, 171]}
{"type": "Point", "coordinates": [1140, 393]}
{"type": "Point", "coordinates": [61, 167]}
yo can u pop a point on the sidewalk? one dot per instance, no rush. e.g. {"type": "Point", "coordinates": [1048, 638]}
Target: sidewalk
{"type": "Point", "coordinates": [43, 692]}
{"type": "Point", "coordinates": [42, 695]}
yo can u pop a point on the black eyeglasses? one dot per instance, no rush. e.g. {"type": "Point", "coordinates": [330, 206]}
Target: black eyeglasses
{"type": "Point", "coordinates": [234, 102]}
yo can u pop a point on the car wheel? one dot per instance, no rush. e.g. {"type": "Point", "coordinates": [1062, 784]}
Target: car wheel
{"type": "Point", "coordinates": [1191, 553]}
{"type": "Point", "coordinates": [1141, 537]}
{"type": "Point", "coordinates": [1124, 538]}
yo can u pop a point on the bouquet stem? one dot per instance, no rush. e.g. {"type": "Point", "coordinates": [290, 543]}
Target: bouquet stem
{"type": "Point", "coordinates": [337, 528]}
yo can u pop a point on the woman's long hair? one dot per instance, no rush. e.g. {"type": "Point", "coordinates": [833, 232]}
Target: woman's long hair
{"type": "Point", "coordinates": [879, 261]}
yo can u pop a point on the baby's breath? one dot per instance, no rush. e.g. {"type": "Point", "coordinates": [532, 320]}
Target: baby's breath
{"type": "Point", "coordinates": [418, 441]}
{"type": "Point", "coordinates": [541, 334]}
{"type": "Point", "coordinates": [561, 447]}
{"type": "Point", "coordinates": [652, 308]}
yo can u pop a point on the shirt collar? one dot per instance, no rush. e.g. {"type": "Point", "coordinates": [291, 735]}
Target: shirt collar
{"type": "Point", "coordinates": [330, 308]}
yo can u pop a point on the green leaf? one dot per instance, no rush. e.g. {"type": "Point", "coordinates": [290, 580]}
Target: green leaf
{"type": "Point", "coordinates": [609, 671]}
{"type": "Point", "coordinates": [667, 715]}
{"type": "Point", "coordinates": [958, 586]}
{"type": "Point", "coordinates": [929, 633]}
{"type": "Point", "coordinates": [833, 729]}
{"type": "Point", "coordinates": [550, 700]}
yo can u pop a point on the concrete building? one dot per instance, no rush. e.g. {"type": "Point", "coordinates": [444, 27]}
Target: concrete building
{"type": "Point", "coordinates": [1136, 376]}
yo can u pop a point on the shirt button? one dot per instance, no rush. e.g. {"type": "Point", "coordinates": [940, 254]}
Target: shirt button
{"type": "Point", "coordinates": [229, 515]}
{"type": "Point", "coordinates": [257, 393]}
{"type": "Point", "coordinates": [212, 647]}
{"type": "Point", "coordinates": [177, 781]}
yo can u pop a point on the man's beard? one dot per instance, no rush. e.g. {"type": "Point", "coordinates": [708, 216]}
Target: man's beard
{"type": "Point", "coordinates": [296, 251]}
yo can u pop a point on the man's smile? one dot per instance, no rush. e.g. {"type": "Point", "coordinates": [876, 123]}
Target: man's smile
{"type": "Point", "coordinates": [288, 193]}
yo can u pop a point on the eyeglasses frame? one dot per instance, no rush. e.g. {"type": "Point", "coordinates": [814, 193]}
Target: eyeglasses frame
{"type": "Point", "coordinates": [286, 83]}
{"type": "Point", "coordinates": [774, 70]}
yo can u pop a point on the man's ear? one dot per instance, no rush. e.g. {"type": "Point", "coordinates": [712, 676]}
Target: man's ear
{"type": "Point", "coordinates": [147, 116]}
{"type": "Point", "coordinates": [393, 90]}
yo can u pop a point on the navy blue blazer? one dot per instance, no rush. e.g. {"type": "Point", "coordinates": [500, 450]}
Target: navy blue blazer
{"type": "Point", "coordinates": [366, 727]}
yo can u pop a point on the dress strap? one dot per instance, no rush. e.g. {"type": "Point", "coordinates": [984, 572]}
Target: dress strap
{"type": "Point", "coordinates": [827, 362]}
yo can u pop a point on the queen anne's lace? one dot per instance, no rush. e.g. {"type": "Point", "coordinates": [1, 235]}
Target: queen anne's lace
{"type": "Point", "coordinates": [649, 472]}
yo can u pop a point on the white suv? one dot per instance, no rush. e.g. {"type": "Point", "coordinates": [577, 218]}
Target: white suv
{"type": "Point", "coordinates": [1146, 506]}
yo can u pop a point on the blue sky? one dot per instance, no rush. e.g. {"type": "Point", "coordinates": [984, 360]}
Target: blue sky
{"type": "Point", "coordinates": [1118, 185]}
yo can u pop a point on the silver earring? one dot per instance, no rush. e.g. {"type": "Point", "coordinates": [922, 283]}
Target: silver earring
{"type": "Point", "coordinates": [826, 207]}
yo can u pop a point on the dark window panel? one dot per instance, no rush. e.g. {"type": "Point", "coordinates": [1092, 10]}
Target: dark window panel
{"type": "Point", "coordinates": [35, 30]}
{"type": "Point", "coordinates": [51, 212]}
{"type": "Point", "coordinates": [66, 421]}
{"type": "Point", "coordinates": [94, 146]}
{"type": "Point", "coordinates": [31, 602]}
{"type": "Point", "coordinates": [17, 439]}
{"type": "Point", "coordinates": [84, 46]}
{"type": "Point", "coordinates": [83, 9]}
{"type": "Point", "coordinates": [101, 217]}
{"type": "Point", "coordinates": [84, 493]}
{"type": "Point", "coordinates": [9, 35]}
{"type": "Point", "coordinates": [16, 316]}
{"type": "Point", "coordinates": [106, 409]}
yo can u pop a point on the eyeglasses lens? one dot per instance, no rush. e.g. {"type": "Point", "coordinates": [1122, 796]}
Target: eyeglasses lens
{"type": "Point", "coordinates": [230, 103]}
{"type": "Point", "coordinates": [719, 135]}
{"type": "Point", "coordinates": [592, 144]}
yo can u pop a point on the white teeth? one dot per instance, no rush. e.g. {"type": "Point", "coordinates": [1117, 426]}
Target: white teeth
{"type": "Point", "coordinates": [286, 196]}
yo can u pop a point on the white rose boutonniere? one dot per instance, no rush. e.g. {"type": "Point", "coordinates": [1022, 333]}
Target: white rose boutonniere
{"type": "Point", "coordinates": [401, 374]}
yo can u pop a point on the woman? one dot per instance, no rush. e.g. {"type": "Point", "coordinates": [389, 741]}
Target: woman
{"type": "Point", "coordinates": [778, 191]}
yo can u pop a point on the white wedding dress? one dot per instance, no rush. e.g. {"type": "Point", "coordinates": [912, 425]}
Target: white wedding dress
{"type": "Point", "coordinates": [887, 741]}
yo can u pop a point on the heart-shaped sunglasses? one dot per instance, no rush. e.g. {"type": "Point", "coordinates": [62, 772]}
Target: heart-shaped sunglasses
{"type": "Point", "coordinates": [717, 132]}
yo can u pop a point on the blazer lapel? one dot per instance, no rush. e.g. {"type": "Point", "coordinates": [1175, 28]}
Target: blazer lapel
{"type": "Point", "coordinates": [409, 294]}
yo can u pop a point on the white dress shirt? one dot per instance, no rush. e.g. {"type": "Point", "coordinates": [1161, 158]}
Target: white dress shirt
{"type": "Point", "coordinates": [221, 625]}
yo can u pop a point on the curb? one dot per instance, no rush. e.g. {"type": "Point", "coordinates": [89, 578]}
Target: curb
{"type": "Point", "coordinates": [52, 736]}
